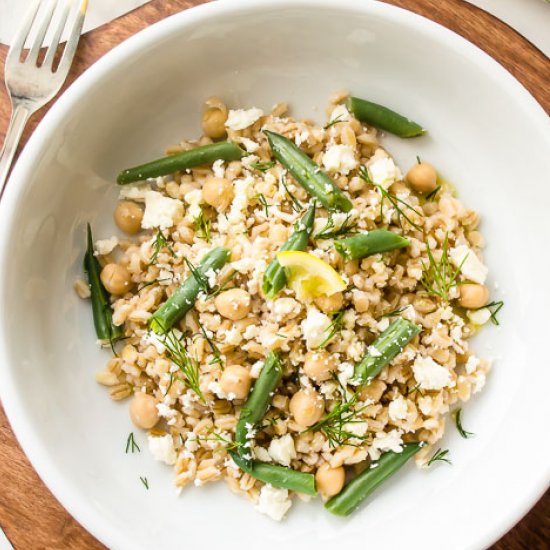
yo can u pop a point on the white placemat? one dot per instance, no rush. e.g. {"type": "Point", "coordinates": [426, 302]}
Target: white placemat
{"type": "Point", "coordinates": [99, 12]}
{"type": "Point", "coordinates": [531, 18]}
{"type": "Point", "coordinates": [4, 542]}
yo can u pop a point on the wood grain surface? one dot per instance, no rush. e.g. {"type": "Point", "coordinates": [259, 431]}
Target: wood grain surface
{"type": "Point", "coordinates": [30, 516]}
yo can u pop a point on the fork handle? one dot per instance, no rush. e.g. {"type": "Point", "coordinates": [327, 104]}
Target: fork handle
{"type": "Point", "coordinates": [19, 117]}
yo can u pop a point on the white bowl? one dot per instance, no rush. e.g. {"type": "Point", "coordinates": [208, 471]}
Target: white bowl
{"type": "Point", "coordinates": [487, 135]}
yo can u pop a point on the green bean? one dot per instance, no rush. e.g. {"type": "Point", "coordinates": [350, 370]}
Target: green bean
{"type": "Point", "coordinates": [369, 243]}
{"type": "Point", "coordinates": [207, 154]}
{"type": "Point", "coordinates": [258, 402]}
{"type": "Point", "coordinates": [384, 118]}
{"type": "Point", "coordinates": [366, 482]}
{"type": "Point", "coordinates": [274, 277]}
{"type": "Point", "coordinates": [278, 476]}
{"type": "Point", "coordinates": [184, 297]}
{"type": "Point", "coordinates": [102, 312]}
{"type": "Point", "coordinates": [391, 342]}
{"type": "Point", "coordinates": [307, 173]}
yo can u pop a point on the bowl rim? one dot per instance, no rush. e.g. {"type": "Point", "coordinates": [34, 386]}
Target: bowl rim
{"type": "Point", "coordinates": [22, 427]}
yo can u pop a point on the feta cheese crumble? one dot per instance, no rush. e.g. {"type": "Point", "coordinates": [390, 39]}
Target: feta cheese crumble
{"type": "Point", "coordinates": [398, 409]}
{"type": "Point", "coordinates": [472, 267]}
{"type": "Point", "coordinates": [383, 442]}
{"type": "Point", "coordinates": [479, 316]}
{"type": "Point", "coordinates": [162, 448]}
{"type": "Point", "coordinates": [315, 327]}
{"type": "Point", "coordinates": [134, 192]}
{"type": "Point", "coordinates": [383, 171]}
{"type": "Point", "coordinates": [431, 375]}
{"type": "Point", "coordinates": [340, 158]}
{"type": "Point", "coordinates": [161, 211]}
{"type": "Point", "coordinates": [273, 502]}
{"type": "Point", "coordinates": [105, 246]}
{"type": "Point", "coordinates": [239, 119]}
{"type": "Point", "coordinates": [282, 450]}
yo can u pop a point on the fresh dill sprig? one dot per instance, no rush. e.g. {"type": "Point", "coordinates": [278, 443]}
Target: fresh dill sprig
{"type": "Point", "coordinates": [457, 416]}
{"type": "Point", "coordinates": [440, 455]}
{"type": "Point", "coordinates": [494, 308]}
{"type": "Point", "coordinates": [438, 277]}
{"type": "Point", "coordinates": [281, 335]}
{"type": "Point", "coordinates": [433, 193]}
{"type": "Point", "coordinates": [145, 284]}
{"type": "Point", "coordinates": [335, 326]}
{"type": "Point", "coordinates": [265, 205]}
{"type": "Point", "coordinates": [218, 289]}
{"type": "Point", "coordinates": [294, 202]}
{"type": "Point", "coordinates": [211, 344]}
{"type": "Point", "coordinates": [262, 166]}
{"type": "Point", "coordinates": [271, 421]}
{"type": "Point", "coordinates": [179, 355]}
{"type": "Point", "coordinates": [415, 389]}
{"type": "Point", "coordinates": [328, 232]}
{"type": "Point", "coordinates": [334, 121]}
{"type": "Point", "coordinates": [215, 436]}
{"type": "Point", "coordinates": [395, 312]}
{"type": "Point", "coordinates": [335, 425]}
{"type": "Point", "coordinates": [144, 481]}
{"type": "Point", "coordinates": [169, 384]}
{"type": "Point", "coordinates": [131, 444]}
{"type": "Point", "coordinates": [395, 201]}
{"type": "Point", "coordinates": [159, 243]}
{"type": "Point", "coordinates": [201, 280]}
{"type": "Point", "coordinates": [202, 226]}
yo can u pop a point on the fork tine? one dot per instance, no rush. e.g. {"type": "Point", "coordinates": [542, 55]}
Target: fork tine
{"type": "Point", "coordinates": [44, 24]}
{"type": "Point", "coordinates": [21, 36]}
{"type": "Point", "coordinates": [72, 41]}
{"type": "Point", "coordinates": [50, 54]}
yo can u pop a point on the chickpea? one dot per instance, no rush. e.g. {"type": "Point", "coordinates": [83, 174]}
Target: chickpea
{"type": "Point", "coordinates": [473, 296]}
{"type": "Point", "coordinates": [236, 380]}
{"type": "Point", "coordinates": [233, 304]}
{"type": "Point", "coordinates": [116, 279]}
{"type": "Point", "coordinates": [128, 216]}
{"type": "Point", "coordinates": [422, 177]}
{"type": "Point", "coordinates": [330, 304]}
{"type": "Point", "coordinates": [330, 480]}
{"type": "Point", "coordinates": [143, 411]}
{"type": "Point", "coordinates": [317, 365]}
{"type": "Point", "coordinates": [213, 122]}
{"type": "Point", "coordinates": [307, 407]}
{"type": "Point", "coordinates": [217, 192]}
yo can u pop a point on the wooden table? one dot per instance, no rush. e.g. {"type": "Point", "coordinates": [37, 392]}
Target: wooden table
{"type": "Point", "coordinates": [29, 514]}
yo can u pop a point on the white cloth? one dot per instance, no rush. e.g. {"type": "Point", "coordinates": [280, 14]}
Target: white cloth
{"type": "Point", "coordinates": [531, 18]}
{"type": "Point", "coordinates": [98, 13]}
{"type": "Point", "coordinates": [4, 542]}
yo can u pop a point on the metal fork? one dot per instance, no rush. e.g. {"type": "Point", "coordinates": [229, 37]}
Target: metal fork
{"type": "Point", "coordinates": [31, 86]}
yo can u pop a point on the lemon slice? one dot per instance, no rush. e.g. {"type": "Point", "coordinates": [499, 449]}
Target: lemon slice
{"type": "Point", "coordinates": [309, 276]}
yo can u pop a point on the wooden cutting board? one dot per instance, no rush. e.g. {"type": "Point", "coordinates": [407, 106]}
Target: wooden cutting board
{"type": "Point", "coordinates": [29, 514]}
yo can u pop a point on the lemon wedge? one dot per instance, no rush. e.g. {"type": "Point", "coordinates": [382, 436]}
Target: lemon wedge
{"type": "Point", "coordinates": [309, 276]}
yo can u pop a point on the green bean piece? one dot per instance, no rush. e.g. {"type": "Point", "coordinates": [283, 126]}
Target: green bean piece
{"type": "Point", "coordinates": [307, 173]}
{"type": "Point", "coordinates": [183, 299]}
{"type": "Point", "coordinates": [278, 476]}
{"type": "Point", "coordinates": [369, 243]}
{"type": "Point", "coordinates": [384, 118]}
{"type": "Point", "coordinates": [274, 277]}
{"type": "Point", "coordinates": [207, 154]}
{"type": "Point", "coordinates": [258, 402]}
{"type": "Point", "coordinates": [383, 350]}
{"type": "Point", "coordinates": [366, 482]}
{"type": "Point", "coordinates": [102, 312]}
